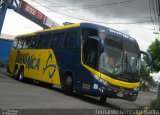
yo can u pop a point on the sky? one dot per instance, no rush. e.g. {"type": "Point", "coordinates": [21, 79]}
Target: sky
{"type": "Point", "coordinates": [104, 12]}
{"type": "Point", "coordinates": [115, 14]}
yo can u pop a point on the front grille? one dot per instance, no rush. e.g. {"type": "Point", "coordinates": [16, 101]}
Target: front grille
{"type": "Point", "coordinates": [120, 88]}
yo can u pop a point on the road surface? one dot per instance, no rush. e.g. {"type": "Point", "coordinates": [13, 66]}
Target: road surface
{"type": "Point", "coordinates": [31, 96]}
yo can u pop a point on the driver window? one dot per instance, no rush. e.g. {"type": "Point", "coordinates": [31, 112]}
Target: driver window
{"type": "Point", "coordinates": [90, 53]}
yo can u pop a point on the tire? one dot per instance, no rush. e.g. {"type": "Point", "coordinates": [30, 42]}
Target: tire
{"type": "Point", "coordinates": [103, 99]}
{"type": "Point", "coordinates": [21, 75]}
{"type": "Point", "coordinates": [67, 85]}
{"type": "Point", "coordinates": [15, 73]}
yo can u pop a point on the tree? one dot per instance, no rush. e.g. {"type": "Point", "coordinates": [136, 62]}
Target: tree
{"type": "Point", "coordinates": [154, 50]}
{"type": "Point", "coordinates": [146, 77]}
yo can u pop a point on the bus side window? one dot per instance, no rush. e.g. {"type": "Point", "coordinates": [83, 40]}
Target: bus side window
{"type": "Point", "coordinates": [40, 42]}
{"type": "Point", "coordinates": [27, 43]}
{"type": "Point", "coordinates": [90, 47]}
{"type": "Point", "coordinates": [34, 42]}
{"type": "Point", "coordinates": [44, 41]}
{"type": "Point", "coordinates": [47, 42]}
{"type": "Point", "coordinates": [20, 43]}
{"type": "Point", "coordinates": [57, 40]}
{"type": "Point", "coordinates": [15, 43]}
{"type": "Point", "coordinates": [24, 44]}
{"type": "Point", "coordinates": [72, 40]}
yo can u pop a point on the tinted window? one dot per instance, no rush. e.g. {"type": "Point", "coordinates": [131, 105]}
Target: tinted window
{"type": "Point", "coordinates": [20, 43]}
{"type": "Point", "coordinates": [34, 42]}
{"type": "Point", "coordinates": [130, 46]}
{"type": "Point", "coordinates": [90, 47]}
{"type": "Point", "coordinates": [90, 53]}
{"type": "Point", "coordinates": [88, 32]}
{"type": "Point", "coordinates": [47, 38]}
{"type": "Point", "coordinates": [15, 42]}
{"type": "Point", "coordinates": [27, 43]}
{"type": "Point", "coordinates": [72, 40]}
{"type": "Point", "coordinates": [44, 41]}
{"type": "Point", "coordinates": [57, 40]}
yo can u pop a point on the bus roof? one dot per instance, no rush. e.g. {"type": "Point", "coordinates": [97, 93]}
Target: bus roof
{"type": "Point", "coordinates": [59, 28]}
{"type": "Point", "coordinates": [87, 25]}
{"type": "Point", "coordinates": [28, 34]}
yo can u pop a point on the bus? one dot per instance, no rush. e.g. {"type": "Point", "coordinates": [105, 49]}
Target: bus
{"type": "Point", "coordinates": [86, 58]}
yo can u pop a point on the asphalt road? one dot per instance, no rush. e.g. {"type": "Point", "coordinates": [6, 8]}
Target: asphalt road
{"type": "Point", "coordinates": [37, 98]}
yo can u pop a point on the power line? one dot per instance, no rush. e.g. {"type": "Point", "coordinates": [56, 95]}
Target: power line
{"type": "Point", "coordinates": [86, 19]}
{"type": "Point", "coordinates": [58, 5]}
{"type": "Point", "coordinates": [109, 16]}
{"type": "Point", "coordinates": [93, 6]}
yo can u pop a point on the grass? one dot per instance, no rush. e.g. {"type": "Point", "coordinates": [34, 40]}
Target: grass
{"type": "Point", "coordinates": [155, 104]}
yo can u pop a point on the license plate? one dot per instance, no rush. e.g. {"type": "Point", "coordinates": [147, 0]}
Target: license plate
{"type": "Point", "coordinates": [120, 94]}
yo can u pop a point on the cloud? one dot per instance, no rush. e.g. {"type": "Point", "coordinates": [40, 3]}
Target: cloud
{"type": "Point", "coordinates": [136, 10]}
{"type": "Point", "coordinates": [124, 12]}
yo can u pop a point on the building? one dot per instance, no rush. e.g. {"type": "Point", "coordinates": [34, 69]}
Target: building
{"type": "Point", "coordinates": [5, 47]}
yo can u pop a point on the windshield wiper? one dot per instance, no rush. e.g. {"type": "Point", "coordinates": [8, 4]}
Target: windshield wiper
{"type": "Point", "coordinates": [128, 64]}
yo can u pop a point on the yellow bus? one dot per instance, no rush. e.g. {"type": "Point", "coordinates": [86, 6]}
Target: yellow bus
{"type": "Point", "coordinates": [87, 58]}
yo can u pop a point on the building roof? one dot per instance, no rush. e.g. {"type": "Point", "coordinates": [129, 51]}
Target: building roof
{"type": "Point", "coordinates": [7, 36]}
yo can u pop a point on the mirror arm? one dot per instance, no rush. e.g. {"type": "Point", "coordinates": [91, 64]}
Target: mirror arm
{"type": "Point", "coordinates": [149, 58]}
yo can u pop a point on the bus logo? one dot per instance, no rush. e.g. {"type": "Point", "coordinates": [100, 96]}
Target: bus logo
{"type": "Point", "coordinates": [50, 74]}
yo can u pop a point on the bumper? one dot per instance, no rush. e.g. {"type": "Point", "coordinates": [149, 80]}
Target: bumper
{"type": "Point", "coordinates": [114, 92]}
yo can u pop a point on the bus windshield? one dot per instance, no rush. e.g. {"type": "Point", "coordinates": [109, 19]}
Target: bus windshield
{"type": "Point", "coordinates": [112, 60]}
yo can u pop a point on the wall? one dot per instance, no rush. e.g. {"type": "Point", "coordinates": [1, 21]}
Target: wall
{"type": "Point", "coordinates": [5, 47]}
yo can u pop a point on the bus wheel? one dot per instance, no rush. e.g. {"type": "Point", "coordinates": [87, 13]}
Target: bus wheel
{"type": "Point", "coordinates": [15, 73]}
{"type": "Point", "coordinates": [67, 85]}
{"type": "Point", "coordinates": [21, 74]}
{"type": "Point", "coordinates": [103, 99]}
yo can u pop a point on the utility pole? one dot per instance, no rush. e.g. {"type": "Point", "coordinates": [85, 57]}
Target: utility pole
{"type": "Point", "coordinates": [3, 11]}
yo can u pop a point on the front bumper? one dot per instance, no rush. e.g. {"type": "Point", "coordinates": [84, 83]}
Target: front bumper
{"type": "Point", "coordinates": [111, 91]}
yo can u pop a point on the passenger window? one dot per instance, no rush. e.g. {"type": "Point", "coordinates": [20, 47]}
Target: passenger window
{"type": "Point", "coordinates": [15, 43]}
{"type": "Point", "coordinates": [34, 42]}
{"type": "Point", "coordinates": [27, 43]}
{"type": "Point", "coordinates": [47, 38]}
{"type": "Point", "coordinates": [41, 41]}
{"type": "Point", "coordinates": [44, 41]}
{"type": "Point", "coordinates": [20, 43]}
{"type": "Point", "coordinates": [72, 39]}
{"type": "Point", "coordinates": [57, 40]}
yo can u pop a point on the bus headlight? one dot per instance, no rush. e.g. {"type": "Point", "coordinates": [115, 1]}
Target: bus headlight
{"type": "Point", "coordinates": [136, 89]}
{"type": "Point", "coordinates": [100, 80]}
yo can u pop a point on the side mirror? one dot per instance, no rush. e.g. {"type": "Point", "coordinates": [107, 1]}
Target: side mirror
{"type": "Point", "coordinates": [101, 46]}
{"type": "Point", "coordinates": [149, 58]}
{"type": "Point", "coordinates": [100, 42]}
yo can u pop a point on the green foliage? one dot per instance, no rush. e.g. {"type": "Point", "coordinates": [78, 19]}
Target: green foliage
{"type": "Point", "coordinates": [154, 50]}
{"type": "Point", "coordinates": [145, 72]}
{"type": "Point", "coordinates": [145, 75]}
{"type": "Point", "coordinates": [155, 105]}
{"type": "Point", "coordinates": [7, 1]}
